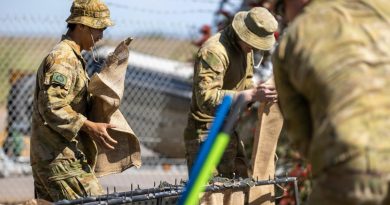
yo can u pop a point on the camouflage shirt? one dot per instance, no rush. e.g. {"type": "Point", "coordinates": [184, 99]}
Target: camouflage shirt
{"type": "Point", "coordinates": [332, 76]}
{"type": "Point", "coordinates": [221, 68]}
{"type": "Point", "coordinates": [60, 103]}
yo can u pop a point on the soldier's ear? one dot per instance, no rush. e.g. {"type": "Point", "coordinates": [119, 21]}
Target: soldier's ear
{"type": "Point", "coordinates": [79, 27]}
{"type": "Point", "coordinates": [84, 27]}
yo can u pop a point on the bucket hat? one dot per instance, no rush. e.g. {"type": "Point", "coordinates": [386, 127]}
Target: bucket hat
{"type": "Point", "coordinates": [92, 13]}
{"type": "Point", "coordinates": [256, 27]}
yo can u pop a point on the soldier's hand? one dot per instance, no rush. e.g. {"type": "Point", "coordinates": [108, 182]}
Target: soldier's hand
{"type": "Point", "coordinates": [266, 93]}
{"type": "Point", "coordinates": [98, 132]}
{"type": "Point", "coordinates": [249, 95]}
{"type": "Point", "coordinates": [262, 93]}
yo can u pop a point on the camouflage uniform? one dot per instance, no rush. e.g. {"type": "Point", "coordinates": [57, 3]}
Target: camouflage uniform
{"type": "Point", "coordinates": [221, 68]}
{"type": "Point", "coordinates": [60, 106]}
{"type": "Point", "coordinates": [332, 76]}
{"type": "Point", "coordinates": [63, 157]}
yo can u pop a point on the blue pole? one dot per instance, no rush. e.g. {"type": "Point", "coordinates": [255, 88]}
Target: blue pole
{"type": "Point", "coordinates": [222, 111]}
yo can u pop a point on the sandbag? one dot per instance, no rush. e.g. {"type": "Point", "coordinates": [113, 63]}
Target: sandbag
{"type": "Point", "coordinates": [107, 89]}
{"type": "Point", "coordinates": [263, 155]}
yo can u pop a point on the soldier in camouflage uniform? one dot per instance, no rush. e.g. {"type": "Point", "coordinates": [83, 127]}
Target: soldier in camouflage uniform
{"type": "Point", "coordinates": [62, 164]}
{"type": "Point", "coordinates": [332, 76]}
{"type": "Point", "coordinates": [224, 66]}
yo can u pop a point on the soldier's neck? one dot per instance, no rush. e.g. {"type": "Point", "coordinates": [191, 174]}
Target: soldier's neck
{"type": "Point", "coordinates": [75, 38]}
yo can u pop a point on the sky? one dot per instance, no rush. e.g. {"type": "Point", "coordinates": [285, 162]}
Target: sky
{"type": "Point", "coordinates": [132, 17]}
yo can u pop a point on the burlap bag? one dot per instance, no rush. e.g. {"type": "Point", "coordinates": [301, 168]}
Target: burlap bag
{"type": "Point", "coordinates": [225, 197]}
{"type": "Point", "coordinates": [263, 156]}
{"type": "Point", "coordinates": [107, 89]}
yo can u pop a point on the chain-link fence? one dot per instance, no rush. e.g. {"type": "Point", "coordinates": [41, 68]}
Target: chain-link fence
{"type": "Point", "coordinates": [156, 97]}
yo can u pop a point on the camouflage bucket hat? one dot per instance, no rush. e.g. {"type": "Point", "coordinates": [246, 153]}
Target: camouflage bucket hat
{"type": "Point", "coordinates": [256, 27]}
{"type": "Point", "coordinates": [92, 13]}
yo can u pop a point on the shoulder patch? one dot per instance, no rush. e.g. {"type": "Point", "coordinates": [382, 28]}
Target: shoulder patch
{"type": "Point", "coordinates": [212, 60]}
{"type": "Point", "coordinates": [59, 79]}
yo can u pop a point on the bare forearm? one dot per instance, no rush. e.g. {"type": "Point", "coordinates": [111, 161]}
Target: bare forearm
{"type": "Point", "coordinates": [98, 132]}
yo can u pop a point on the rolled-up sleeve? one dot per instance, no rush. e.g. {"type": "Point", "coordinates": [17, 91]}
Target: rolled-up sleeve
{"type": "Point", "coordinates": [208, 82]}
{"type": "Point", "coordinates": [54, 101]}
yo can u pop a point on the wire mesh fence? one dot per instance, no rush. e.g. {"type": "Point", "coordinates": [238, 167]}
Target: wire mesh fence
{"type": "Point", "coordinates": [156, 97]}
{"type": "Point", "coordinates": [155, 103]}
{"type": "Point", "coordinates": [158, 79]}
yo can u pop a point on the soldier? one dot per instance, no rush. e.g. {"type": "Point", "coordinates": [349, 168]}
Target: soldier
{"type": "Point", "coordinates": [332, 77]}
{"type": "Point", "coordinates": [224, 66]}
{"type": "Point", "coordinates": [60, 159]}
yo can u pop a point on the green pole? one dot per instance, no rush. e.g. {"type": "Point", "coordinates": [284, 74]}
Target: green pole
{"type": "Point", "coordinates": [208, 167]}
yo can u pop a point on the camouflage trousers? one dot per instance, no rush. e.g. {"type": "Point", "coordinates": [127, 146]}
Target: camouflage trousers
{"type": "Point", "coordinates": [352, 183]}
{"type": "Point", "coordinates": [234, 161]}
{"type": "Point", "coordinates": [65, 179]}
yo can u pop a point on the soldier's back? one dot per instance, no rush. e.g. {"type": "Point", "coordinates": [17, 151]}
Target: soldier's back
{"type": "Point", "coordinates": [337, 55]}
